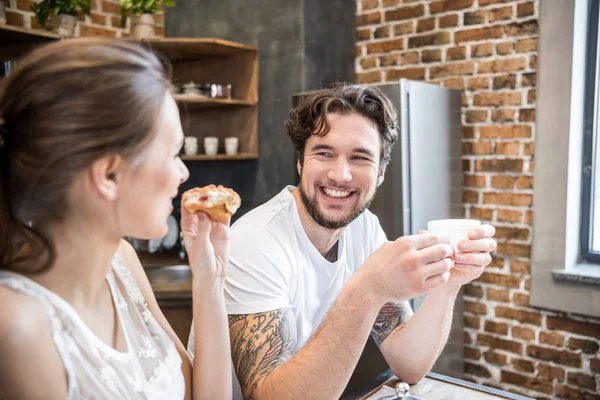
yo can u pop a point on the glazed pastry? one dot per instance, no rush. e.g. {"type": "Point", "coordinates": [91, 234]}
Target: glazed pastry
{"type": "Point", "coordinates": [218, 202]}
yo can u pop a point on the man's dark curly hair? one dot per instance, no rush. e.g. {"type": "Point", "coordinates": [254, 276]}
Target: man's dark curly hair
{"type": "Point", "coordinates": [310, 116]}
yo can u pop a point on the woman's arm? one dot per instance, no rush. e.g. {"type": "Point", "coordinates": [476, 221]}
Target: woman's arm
{"type": "Point", "coordinates": [30, 366]}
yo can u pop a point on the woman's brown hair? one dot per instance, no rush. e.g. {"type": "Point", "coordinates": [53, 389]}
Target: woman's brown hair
{"type": "Point", "coordinates": [64, 106]}
{"type": "Point", "coordinates": [310, 116]}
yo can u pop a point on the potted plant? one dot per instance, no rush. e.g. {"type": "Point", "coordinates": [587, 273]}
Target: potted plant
{"type": "Point", "coordinates": [142, 22]}
{"type": "Point", "coordinates": [62, 13]}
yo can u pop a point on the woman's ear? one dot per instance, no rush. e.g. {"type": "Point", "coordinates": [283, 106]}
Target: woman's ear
{"type": "Point", "coordinates": [106, 174]}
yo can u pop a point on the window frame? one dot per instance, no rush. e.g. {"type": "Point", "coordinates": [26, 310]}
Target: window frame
{"type": "Point", "coordinates": [590, 132]}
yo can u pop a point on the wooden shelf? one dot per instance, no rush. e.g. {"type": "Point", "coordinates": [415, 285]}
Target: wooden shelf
{"type": "Point", "coordinates": [204, 157]}
{"type": "Point", "coordinates": [210, 102]}
{"type": "Point", "coordinates": [194, 48]}
{"type": "Point", "coordinates": [15, 35]}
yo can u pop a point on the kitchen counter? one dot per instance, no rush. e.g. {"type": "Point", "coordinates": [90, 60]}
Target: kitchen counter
{"type": "Point", "coordinates": [170, 282]}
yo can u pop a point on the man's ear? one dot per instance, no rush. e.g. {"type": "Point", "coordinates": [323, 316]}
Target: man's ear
{"type": "Point", "coordinates": [299, 167]}
{"type": "Point", "coordinates": [380, 176]}
{"type": "Point", "coordinates": [106, 174]}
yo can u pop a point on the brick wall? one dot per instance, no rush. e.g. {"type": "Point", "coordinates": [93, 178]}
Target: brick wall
{"type": "Point", "coordinates": [105, 18]}
{"type": "Point", "coordinates": [488, 50]}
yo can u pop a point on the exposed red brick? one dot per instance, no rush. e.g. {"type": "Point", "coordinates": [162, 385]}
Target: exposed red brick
{"type": "Point", "coordinates": [113, 7]}
{"type": "Point", "coordinates": [504, 48]}
{"type": "Point", "coordinates": [503, 181]}
{"type": "Point", "coordinates": [526, 317]}
{"type": "Point", "coordinates": [568, 325]}
{"type": "Point", "coordinates": [471, 321]}
{"type": "Point", "coordinates": [474, 18]}
{"type": "Point", "coordinates": [404, 28]}
{"type": "Point", "coordinates": [473, 290]}
{"type": "Point", "coordinates": [482, 50]}
{"type": "Point", "coordinates": [468, 132]}
{"type": "Point", "coordinates": [428, 56]}
{"type": "Point", "coordinates": [24, 5]}
{"type": "Point", "coordinates": [495, 358]}
{"type": "Point", "coordinates": [15, 18]}
{"type": "Point", "coordinates": [477, 370]}
{"type": "Point", "coordinates": [368, 77]}
{"type": "Point", "coordinates": [522, 365]}
{"type": "Point", "coordinates": [482, 213]}
{"type": "Point", "coordinates": [505, 131]}
{"type": "Point", "coordinates": [498, 343]}
{"type": "Point", "coordinates": [515, 250]}
{"type": "Point", "coordinates": [470, 196]}
{"type": "Point", "coordinates": [595, 364]}
{"type": "Point", "coordinates": [521, 299]}
{"type": "Point", "coordinates": [385, 46]}
{"type": "Point", "coordinates": [520, 332]}
{"type": "Point", "coordinates": [501, 165]}
{"type": "Point", "coordinates": [479, 82]}
{"type": "Point", "coordinates": [547, 372]}
{"type": "Point", "coordinates": [408, 73]}
{"type": "Point", "coordinates": [557, 356]}
{"type": "Point", "coordinates": [477, 116]}
{"type": "Point", "coordinates": [533, 61]}
{"type": "Point", "coordinates": [472, 353]}
{"type": "Point", "coordinates": [448, 21]}
{"type": "Point", "coordinates": [456, 53]}
{"type": "Point", "coordinates": [368, 4]}
{"type": "Point", "coordinates": [569, 393]}
{"type": "Point", "coordinates": [500, 328]}
{"type": "Point", "coordinates": [526, 45]}
{"type": "Point", "coordinates": [382, 32]}
{"type": "Point", "coordinates": [500, 13]}
{"type": "Point", "coordinates": [526, 382]}
{"type": "Point", "coordinates": [552, 338]}
{"type": "Point", "coordinates": [411, 57]}
{"type": "Point", "coordinates": [529, 79]}
{"type": "Point", "coordinates": [497, 99]}
{"type": "Point", "coordinates": [500, 280]}
{"type": "Point", "coordinates": [361, 34]}
{"type": "Point", "coordinates": [449, 5]}
{"type": "Point", "coordinates": [475, 307]}
{"type": "Point", "coordinates": [581, 380]}
{"type": "Point", "coordinates": [586, 346]}
{"type": "Point", "coordinates": [525, 9]}
{"type": "Point", "coordinates": [424, 25]}
{"type": "Point", "coordinates": [501, 295]}
{"type": "Point", "coordinates": [98, 19]}
{"type": "Point", "coordinates": [527, 114]}
{"type": "Point", "coordinates": [504, 215]}
{"type": "Point", "coordinates": [389, 3]}
{"type": "Point", "coordinates": [368, 62]}
{"type": "Point", "coordinates": [508, 148]}
{"type": "Point", "coordinates": [454, 83]}
{"type": "Point", "coordinates": [464, 68]}
{"type": "Point", "coordinates": [468, 35]}
{"type": "Point", "coordinates": [512, 233]}
{"type": "Point", "coordinates": [520, 267]}
{"type": "Point", "coordinates": [503, 115]}
{"type": "Point", "coordinates": [409, 12]}
{"type": "Point", "coordinates": [504, 81]}
{"type": "Point", "coordinates": [525, 28]}
{"type": "Point", "coordinates": [502, 65]}
{"type": "Point", "coordinates": [431, 39]}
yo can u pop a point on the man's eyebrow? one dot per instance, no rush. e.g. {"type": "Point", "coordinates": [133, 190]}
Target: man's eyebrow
{"type": "Point", "coordinates": [364, 151]}
{"type": "Point", "coordinates": [321, 147]}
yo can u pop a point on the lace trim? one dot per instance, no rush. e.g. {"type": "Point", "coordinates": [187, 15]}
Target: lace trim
{"type": "Point", "coordinates": [163, 375]}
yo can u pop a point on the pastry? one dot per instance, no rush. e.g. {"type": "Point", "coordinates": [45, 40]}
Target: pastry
{"type": "Point", "coordinates": [218, 202]}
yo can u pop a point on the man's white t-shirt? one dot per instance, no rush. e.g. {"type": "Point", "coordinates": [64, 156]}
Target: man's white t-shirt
{"type": "Point", "coordinates": [273, 264]}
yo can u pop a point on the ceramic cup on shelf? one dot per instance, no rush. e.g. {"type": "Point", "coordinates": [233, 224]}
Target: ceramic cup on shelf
{"type": "Point", "coordinates": [211, 145]}
{"type": "Point", "coordinates": [191, 145]}
{"type": "Point", "coordinates": [231, 146]}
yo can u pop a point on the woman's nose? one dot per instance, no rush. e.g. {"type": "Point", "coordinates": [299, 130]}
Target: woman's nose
{"type": "Point", "coordinates": [185, 173]}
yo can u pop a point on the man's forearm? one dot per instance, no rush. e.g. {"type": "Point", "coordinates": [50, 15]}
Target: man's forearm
{"type": "Point", "coordinates": [321, 369]}
{"type": "Point", "coordinates": [413, 348]}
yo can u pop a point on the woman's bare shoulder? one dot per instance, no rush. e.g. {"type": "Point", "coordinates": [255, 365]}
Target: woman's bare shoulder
{"type": "Point", "coordinates": [28, 351]}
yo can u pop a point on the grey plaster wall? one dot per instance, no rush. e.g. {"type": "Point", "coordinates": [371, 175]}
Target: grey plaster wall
{"type": "Point", "coordinates": [303, 45]}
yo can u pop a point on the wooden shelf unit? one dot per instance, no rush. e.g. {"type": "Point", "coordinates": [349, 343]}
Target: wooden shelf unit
{"type": "Point", "coordinates": [208, 60]}
{"type": "Point", "coordinates": [15, 42]}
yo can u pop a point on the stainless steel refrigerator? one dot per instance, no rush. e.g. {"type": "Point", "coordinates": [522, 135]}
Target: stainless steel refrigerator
{"type": "Point", "coordinates": [423, 181]}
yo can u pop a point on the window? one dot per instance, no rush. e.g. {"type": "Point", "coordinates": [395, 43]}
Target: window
{"type": "Point", "coordinates": [590, 180]}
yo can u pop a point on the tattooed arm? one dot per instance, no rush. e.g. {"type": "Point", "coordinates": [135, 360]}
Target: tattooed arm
{"type": "Point", "coordinates": [262, 347]}
{"type": "Point", "coordinates": [412, 343]}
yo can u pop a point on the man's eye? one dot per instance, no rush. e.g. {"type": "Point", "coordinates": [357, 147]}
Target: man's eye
{"type": "Point", "coordinates": [324, 154]}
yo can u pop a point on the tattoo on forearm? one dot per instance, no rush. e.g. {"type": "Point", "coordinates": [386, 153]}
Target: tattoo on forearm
{"type": "Point", "coordinates": [260, 343]}
{"type": "Point", "coordinates": [390, 317]}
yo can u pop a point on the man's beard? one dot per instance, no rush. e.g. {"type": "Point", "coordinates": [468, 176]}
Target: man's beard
{"type": "Point", "coordinates": [312, 207]}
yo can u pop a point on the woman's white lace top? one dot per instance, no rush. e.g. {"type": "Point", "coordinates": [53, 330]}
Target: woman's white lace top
{"type": "Point", "coordinates": [151, 367]}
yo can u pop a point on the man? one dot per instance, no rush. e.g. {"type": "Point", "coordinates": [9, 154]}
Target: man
{"type": "Point", "coordinates": [312, 273]}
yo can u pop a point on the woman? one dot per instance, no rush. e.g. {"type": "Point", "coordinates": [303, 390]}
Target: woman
{"type": "Point", "coordinates": [89, 146]}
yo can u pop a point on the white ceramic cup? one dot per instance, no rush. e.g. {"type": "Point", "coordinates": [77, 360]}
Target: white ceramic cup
{"type": "Point", "coordinates": [211, 145]}
{"type": "Point", "coordinates": [454, 229]}
{"type": "Point", "coordinates": [190, 145]}
{"type": "Point", "coordinates": [231, 145]}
